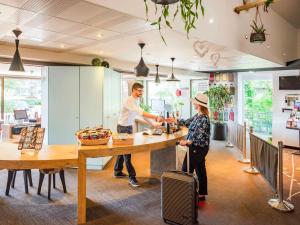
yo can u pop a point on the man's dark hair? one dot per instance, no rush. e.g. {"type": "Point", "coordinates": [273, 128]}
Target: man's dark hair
{"type": "Point", "coordinates": [137, 86]}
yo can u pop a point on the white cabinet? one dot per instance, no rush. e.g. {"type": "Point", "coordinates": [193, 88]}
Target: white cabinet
{"type": "Point", "coordinates": [112, 96]}
{"type": "Point", "coordinates": [60, 104]}
{"type": "Point", "coordinates": [77, 97]}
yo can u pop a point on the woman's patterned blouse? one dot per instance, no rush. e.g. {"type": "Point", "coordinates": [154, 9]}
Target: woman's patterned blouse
{"type": "Point", "coordinates": [199, 130]}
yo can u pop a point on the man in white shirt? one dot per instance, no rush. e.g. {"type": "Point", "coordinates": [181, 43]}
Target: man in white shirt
{"type": "Point", "coordinates": [129, 111]}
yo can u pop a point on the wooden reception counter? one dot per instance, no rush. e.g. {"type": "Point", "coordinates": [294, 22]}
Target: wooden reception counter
{"type": "Point", "coordinates": [142, 143]}
{"type": "Point", "coordinates": [58, 156]}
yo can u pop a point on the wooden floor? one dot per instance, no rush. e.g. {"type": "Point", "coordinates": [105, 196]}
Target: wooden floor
{"type": "Point", "coordinates": [235, 198]}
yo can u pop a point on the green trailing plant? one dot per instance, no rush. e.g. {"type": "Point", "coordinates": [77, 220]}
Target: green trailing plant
{"type": "Point", "coordinates": [258, 29]}
{"type": "Point", "coordinates": [267, 4]}
{"type": "Point", "coordinates": [189, 10]}
{"type": "Point", "coordinates": [219, 96]}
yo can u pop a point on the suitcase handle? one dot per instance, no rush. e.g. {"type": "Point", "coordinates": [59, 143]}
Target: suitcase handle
{"type": "Point", "coordinates": [187, 157]}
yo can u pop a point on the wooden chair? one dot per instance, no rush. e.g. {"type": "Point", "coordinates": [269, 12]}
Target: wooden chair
{"type": "Point", "coordinates": [12, 178]}
{"type": "Point", "coordinates": [50, 173]}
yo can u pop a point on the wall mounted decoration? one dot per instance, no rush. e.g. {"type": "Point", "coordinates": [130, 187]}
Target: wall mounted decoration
{"type": "Point", "coordinates": [172, 78]}
{"type": "Point", "coordinates": [17, 64]}
{"type": "Point", "coordinates": [211, 77]}
{"type": "Point", "coordinates": [141, 70]}
{"type": "Point", "coordinates": [230, 77]}
{"type": "Point", "coordinates": [215, 57]}
{"type": "Point", "coordinates": [189, 10]}
{"type": "Point", "coordinates": [201, 48]}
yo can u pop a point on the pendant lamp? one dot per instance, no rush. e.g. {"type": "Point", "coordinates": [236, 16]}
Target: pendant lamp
{"type": "Point", "coordinates": [157, 80]}
{"type": "Point", "coordinates": [165, 2]}
{"type": "Point", "coordinates": [141, 70]}
{"type": "Point", "coordinates": [16, 64]}
{"type": "Point", "coordinates": [172, 78]}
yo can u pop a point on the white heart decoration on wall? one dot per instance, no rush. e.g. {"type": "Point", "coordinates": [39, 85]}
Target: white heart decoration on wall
{"type": "Point", "coordinates": [215, 57]}
{"type": "Point", "coordinates": [201, 48]}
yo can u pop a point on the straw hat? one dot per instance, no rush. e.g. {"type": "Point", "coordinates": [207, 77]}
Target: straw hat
{"type": "Point", "coordinates": [200, 99]}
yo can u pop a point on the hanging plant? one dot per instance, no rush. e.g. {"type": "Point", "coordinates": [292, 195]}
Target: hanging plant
{"type": "Point", "coordinates": [267, 4]}
{"type": "Point", "coordinates": [258, 34]}
{"type": "Point", "coordinates": [189, 10]}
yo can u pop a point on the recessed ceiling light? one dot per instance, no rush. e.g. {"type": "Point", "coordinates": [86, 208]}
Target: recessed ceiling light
{"type": "Point", "coordinates": [211, 20]}
{"type": "Point", "coordinates": [99, 35]}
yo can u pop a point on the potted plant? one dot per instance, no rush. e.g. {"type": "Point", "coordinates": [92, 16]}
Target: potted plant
{"type": "Point", "coordinates": [189, 10]}
{"type": "Point", "coordinates": [96, 62]}
{"type": "Point", "coordinates": [219, 96]}
{"type": "Point", "coordinates": [258, 33]}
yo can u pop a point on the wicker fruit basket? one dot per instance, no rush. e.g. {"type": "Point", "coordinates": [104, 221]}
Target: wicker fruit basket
{"type": "Point", "coordinates": [95, 136]}
{"type": "Point", "coordinates": [93, 141]}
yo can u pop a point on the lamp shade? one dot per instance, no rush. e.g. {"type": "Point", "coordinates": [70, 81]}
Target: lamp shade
{"type": "Point", "coordinates": [157, 80]}
{"type": "Point", "coordinates": [17, 64]}
{"type": "Point", "coordinates": [165, 2]}
{"type": "Point", "coordinates": [141, 70]}
{"type": "Point", "coordinates": [173, 78]}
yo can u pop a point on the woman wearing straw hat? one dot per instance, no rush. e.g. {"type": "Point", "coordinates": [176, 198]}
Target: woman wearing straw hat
{"type": "Point", "coordinates": [198, 140]}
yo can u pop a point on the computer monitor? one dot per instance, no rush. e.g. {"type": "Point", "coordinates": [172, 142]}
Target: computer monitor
{"type": "Point", "coordinates": [20, 114]}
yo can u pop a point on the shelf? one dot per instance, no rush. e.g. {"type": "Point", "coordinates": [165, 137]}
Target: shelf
{"type": "Point", "coordinates": [249, 5]}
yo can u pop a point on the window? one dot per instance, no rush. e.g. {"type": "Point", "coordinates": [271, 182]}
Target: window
{"type": "Point", "coordinates": [196, 87]}
{"type": "Point", "coordinates": [20, 90]}
{"type": "Point", "coordinates": [22, 94]}
{"type": "Point", "coordinates": [173, 97]}
{"type": "Point", "coordinates": [258, 105]}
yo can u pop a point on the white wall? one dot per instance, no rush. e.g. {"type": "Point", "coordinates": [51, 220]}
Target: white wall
{"type": "Point", "coordinates": [280, 133]}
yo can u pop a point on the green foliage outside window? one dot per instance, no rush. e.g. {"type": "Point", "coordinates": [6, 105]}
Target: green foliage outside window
{"type": "Point", "coordinates": [258, 105]}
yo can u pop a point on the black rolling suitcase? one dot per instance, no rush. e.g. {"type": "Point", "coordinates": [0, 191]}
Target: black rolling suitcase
{"type": "Point", "coordinates": [179, 196]}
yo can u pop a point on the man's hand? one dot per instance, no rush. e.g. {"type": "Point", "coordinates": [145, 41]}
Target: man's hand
{"type": "Point", "coordinates": [170, 120]}
{"type": "Point", "coordinates": [160, 119]}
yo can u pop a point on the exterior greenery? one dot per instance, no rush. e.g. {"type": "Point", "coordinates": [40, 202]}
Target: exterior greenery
{"type": "Point", "coordinates": [219, 96]}
{"type": "Point", "coordinates": [258, 105]}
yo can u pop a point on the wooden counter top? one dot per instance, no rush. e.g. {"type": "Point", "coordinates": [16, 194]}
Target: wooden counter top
{"type": "Point", "coordinates": [51, 156]}
{"type": "Point", "coordinates": [141, 143]}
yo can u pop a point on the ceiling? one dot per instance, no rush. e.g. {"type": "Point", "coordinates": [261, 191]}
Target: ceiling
{"type": "Point", "coordinates": [289, 10]}
{"type": "Point", "coordinates": [78, 26]}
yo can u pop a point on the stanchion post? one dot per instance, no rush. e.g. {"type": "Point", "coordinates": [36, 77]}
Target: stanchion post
{"type": "Point", "coordinates": [278, 203]}
{"type": "Point", "coordinates": [228, 143]}
{"type": "Point", "coordinates": [244, 159]}
{"type": "Point", "coordinates": [251, 169]}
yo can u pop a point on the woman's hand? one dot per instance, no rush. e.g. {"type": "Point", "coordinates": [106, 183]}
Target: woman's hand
{"type": "Point", "coordinates": [184, 142]}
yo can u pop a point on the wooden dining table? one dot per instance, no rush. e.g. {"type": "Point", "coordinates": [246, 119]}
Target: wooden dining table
{"type": "Point", "coordinates": [61, 156]}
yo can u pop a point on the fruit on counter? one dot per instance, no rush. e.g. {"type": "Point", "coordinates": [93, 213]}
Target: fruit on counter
{"type": "Point", "coordinates": [94, 133]}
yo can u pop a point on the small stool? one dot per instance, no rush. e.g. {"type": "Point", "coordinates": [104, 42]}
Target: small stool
{"type": "Point", "coordinates": [12, 178]}
{"type": "Point", "coordinates": [51, 172]}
